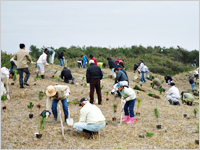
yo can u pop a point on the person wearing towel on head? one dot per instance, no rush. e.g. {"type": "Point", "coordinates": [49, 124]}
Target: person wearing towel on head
{"type": "Point", "coordinates": [91, 118]}
{"type": "Point", "coordinates": [173, 95]}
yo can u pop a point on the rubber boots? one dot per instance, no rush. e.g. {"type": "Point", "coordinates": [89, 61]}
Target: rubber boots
{"type": "Point", "coordinates": [131, 120]}
{"type": "Point", "coordinates": [126, 118]}
{"type": "Point", "coordinates": [42, 76]}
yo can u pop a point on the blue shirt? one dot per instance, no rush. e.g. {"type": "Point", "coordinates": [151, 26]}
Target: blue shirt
{"type": "Point", "coordinates": [84, 59]}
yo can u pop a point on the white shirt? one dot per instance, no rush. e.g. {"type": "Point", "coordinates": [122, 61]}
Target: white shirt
{"type": "Point", "coordinates": [42, 59]}
{"type": "Point", "coordinates": [196, 72]}
{"type": "Point", "coordinates": [141, 67]}
{"type": "Point", "coordinates": [128, 94]}
{"type": "Point", "coordinates": [146, 68]}
{"type": "Point", "coordinates": [173, 92]}
{"type": "Point", "coordinates": [91, 114]}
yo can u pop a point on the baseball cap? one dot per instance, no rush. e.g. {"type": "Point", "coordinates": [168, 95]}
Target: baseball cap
{"type": "Point", "coordinates": [83, 99]}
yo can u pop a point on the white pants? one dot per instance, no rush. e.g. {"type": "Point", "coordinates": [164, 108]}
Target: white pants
{"type": "Point", "coordinates": [172, 98]}
{"type": "Point", "coordinates": [40, 68]}
{"type": "Point", "coordinates": [51, 58]}
{"type": "Point", "coordinates": [113, 73]}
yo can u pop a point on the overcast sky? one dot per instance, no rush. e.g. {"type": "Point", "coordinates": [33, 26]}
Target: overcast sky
{"type": "Point", "coordinates": [104, 24]}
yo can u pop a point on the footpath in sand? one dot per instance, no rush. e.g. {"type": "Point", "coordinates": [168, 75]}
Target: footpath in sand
{"type": "Point", "coordinates": [17, 129]}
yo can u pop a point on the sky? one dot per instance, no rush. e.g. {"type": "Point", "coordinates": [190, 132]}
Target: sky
{"type": "Point", "coordinates": [99, 23]}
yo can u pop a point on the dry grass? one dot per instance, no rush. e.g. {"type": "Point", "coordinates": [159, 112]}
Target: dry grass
{"type": "Point", "coordinates": [17, 130]}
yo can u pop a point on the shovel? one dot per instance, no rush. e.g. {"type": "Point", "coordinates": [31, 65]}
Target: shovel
{"type": "Point", "coordinates": [8, 96]}
{"type": "Point", "coordinates": [121, 114]}
{"type": "Point", "coordinates": [70, 121]}
{"type": "Point", "coordinates": [61, 121]}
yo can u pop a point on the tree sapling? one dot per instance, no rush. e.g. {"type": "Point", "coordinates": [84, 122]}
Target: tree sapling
{"type": "Point", "coordinates": [83, 79]}
{"type": "Point", "coordinates": [41, 126]}
{"type": "Point", "coordinates": [41, 95]}
{"type": "Point", "coordinates": [138, 105]}
{"type": "Point", "coordinates": [195, 112]}
{"type": "Point", "coordinates": [115, 110]}
{"type": "Point", "coordinates": [102, 87]}
{"type": "Point", "coordinates": [30, 106]}
{"type": "Point", "coordinates": [107, 92]}
{"type": "Point", "coordinates": [85, 85]}
{"type": "Point", "coordinates": [3, 98]}
{"type": "Point", "coordinates": [157, 116]}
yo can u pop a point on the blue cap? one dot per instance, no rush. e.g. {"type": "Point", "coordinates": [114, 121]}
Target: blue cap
{"type": "Point", "coordinates": [119, 84]}
{"type": "Point", "coordinates": [119, 66]}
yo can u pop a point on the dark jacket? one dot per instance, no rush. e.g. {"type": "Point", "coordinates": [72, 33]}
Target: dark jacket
{"type": "Point", "coordinates": [112, 63]}
{"type": "Point", "coordinates": [191, 81]}
{"type": "Point", "coordinates": [135, 67]}
{"type": "Point", "coordinates": [124, 72]}
{"type": "Point", "coordinates": [120, 76]}
{"type": "Point", "coordinates": [169, 77]}
{"type": "Point", "coordinates": [66, 73]}
{"type": "Point", "coordinates": [93, 72]}
{"type": "Point", "coordinates": [60, 55]}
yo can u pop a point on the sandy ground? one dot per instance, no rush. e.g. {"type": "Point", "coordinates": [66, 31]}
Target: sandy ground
{"type": "Point", "coordinates": [17, 130]}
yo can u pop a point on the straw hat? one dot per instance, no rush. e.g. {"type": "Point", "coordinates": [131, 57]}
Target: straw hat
{"type": "Point", "coordinates": [51, 91]}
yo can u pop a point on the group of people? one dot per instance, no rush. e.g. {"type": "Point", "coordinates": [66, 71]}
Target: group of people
{"type": "Point", "coordinates": [91, 118]}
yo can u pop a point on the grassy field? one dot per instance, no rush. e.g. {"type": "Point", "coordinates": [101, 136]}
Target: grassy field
{"type": "Point", "coordinates": [17, 130]}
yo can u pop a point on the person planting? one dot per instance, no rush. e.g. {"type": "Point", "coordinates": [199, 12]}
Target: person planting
{"type": "Point", "coordinates": [61, 57]}
{"type": "Point", "coordinates": [146, 71]}
{"type": "Point", "coordinates": [41, 62]}
{"type": "Point", "coordinates": [135, 67]}
{"type": "Point", "coordinates": [95, 61]}
{"type": "Point", "coordinates": [156, 82]}
{"type": "Point", "coordinates": [93, 76]}
{"type": "Point", "coordinates": [122, 78]}
{"type": "Point", "coordinates": [101, 65]}
{"type": "Point", "coordinates": [51, 54]}
{"type": "Point", "coordinates": [142, 70]}
{"type": "Point", "coordinates": [196, 75]}
{"type": "Point", "coordinates": [191, 81]}
{"type": "Point", "coordinates": [173, 95]}
{"type": "Point", "coordinates": [56, 93]}
{"type": "Point", "coordinates": [91, 118]}
{"type": "Point", "coordinates": [80, 62]}
{"type": "Point", "coordinates": [21, 57]}
{"type": "Point", "coordinates": [120, 68]}
{"type": "Point", "coordinates": [187, 98]}
{"type": "Point", "coordinates": [128, 99]}
{"type": "Point", "coordinates": [112, 65]}
{"type": "Point", "coordinates": [66, 73]}
{"type": "Point", "coordinates": [167, 78]}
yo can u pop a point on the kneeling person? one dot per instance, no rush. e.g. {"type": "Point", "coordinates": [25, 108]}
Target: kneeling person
{"type": "Point", "coordinates": [156, 82]}
{"type": "Point", "coordinates": [173, 95]}
{"type": "Point", "coordinates": [187, 98]}
{"type": "Point", "coordinates": [91, 118]}
{"type": "Point", "coordinates": [66, 73]}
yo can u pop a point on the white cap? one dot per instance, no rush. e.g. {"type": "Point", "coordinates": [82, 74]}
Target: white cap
{"type": "Point", "coordinates": [91, 62]}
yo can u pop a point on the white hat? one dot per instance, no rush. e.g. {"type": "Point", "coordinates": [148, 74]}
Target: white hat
{"type": "Point", "coordinates": [51, 91]}
{"type": "Point", "coordinates": [91, 61]}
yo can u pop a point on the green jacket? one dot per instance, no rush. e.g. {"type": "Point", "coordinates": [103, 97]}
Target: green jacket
{"type": "Point", "coordinates": [100, 64]}
{"type": "Point", "coordinates": [157, 82]}
{"type": "Point", "coordinates": [188, 96]}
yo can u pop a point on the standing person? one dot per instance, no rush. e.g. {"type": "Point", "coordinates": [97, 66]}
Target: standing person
{"type": "Point", "coordinates": [91, 118]}
{"type": "Point", "coordinates": [66, 73]}
{"type": "Point", "coordinates": [51, 54]}
{"type": "Point", "coordinates": [120, 68]}
{"type": "Point", "coordinates": [12, 63]}
{"type": "Point", "coordinates": [142, 70]}
{"type": "Point", "coordinates": [146, 71]}
{"type": "Point", "coordinates": [135, 67]}
{"type": "Point", "coordinates": [95, 61]}
{"type": "Point", "coordinates": [173, 95]}
{"type": "Point", "coordinates": [167, 78]}
{"type": "Point", "coordinates": [61, 57]}
{"type": "Point", "coordinates": [112, 65]}
{"type": "Point", "coordinates": [94, 75]}
{"type": "Point", "coordinates": [187, 98]}
{"type": "Point", "coordinates": [80, 62]}
{"type": "Point", "coordinates": [21, 57]}
{"type": "Point", "coordinates": [56, 93]}
{"type": "Point", "coordinates": [191, 81]}
{"type": "Point", "coordinates": [196, 75]}
{"type": "Point", "coordinates": [128, 99]}
{"type": "Point", "coordinates": [156, 82]}
{"type": "Point", "coordinates": [194, 63]}
{"type": "Point", "coordinates": [84, 61]}
{"type": "Point", "coordinates": [41, 62]}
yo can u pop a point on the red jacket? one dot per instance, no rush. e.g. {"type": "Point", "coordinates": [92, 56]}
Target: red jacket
{"type": "Point", "coordinates": [95, 61]}
{"type": "Point", "coordinates": [118, 60]}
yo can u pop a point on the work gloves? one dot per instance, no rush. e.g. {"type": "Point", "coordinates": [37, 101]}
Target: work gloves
{"type": "Point", "coordinates": [123, 101]}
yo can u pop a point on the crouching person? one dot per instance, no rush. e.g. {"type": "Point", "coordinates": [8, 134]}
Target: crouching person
{"type": "Point", "coordinates": [187, 98]}
{"type": "Point", "coordinates": [56, 93]}
{"type": "Point", "coordinates": [91, 118]}
{"type": "Point", "coordinates": [66, 73]}
{"type": "Point", "coordinates": [128, 99]}
{"type": "Point", "coordinates": [173, 95]}
{"type": "Point", "coordinates": [156, 82]}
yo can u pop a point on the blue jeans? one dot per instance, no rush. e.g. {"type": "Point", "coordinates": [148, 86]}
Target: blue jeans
{"type": "Point", "coordinates": [84, 65]}
{"type": "Point", "coordinates": [142, 77]}
{"type": "Point", "coordinates": [12, 66]}
{"type": "Point", "coordinates": [90, 127]}
{"type": "Point", "coordinates": [130, 105]}
{"type": "Point", "coordinates": [194, 65]}
{"type": "Point", "coordinates": [21, 76]}
{"type": "Point", "coordinates": [192, 85]}
{"type": "Point", "coordinates": [147, 72]}
{"type": "Point", "coordinates": [61, 62]}
{"type": "Point", "coordinates": [65, 108]}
